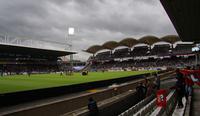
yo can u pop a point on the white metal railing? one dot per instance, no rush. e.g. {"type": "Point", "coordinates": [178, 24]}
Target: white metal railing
{"type": "Point", "coordinates": [138, 106]}
{"type": "Point", "coordinates": [148, 107]}
{"type": "Point", "coordinates": [171, 103]}
{"type": "Point", "coordinates": [35, 43]}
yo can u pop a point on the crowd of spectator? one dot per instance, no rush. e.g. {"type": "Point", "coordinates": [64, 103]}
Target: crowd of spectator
{"type": "Point", "coordinates": [12, 69]}
{"type": "Point", "coordinates": [151, 63]}
{"type": "Point", "coordinates": [139, 51]}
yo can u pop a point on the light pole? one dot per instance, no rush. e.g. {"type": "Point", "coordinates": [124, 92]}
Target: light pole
{"type": "Point", "coordinates": [70, 34]}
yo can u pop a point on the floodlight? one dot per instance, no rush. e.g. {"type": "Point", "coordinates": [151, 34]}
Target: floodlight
{"type": "Point", "coordinates": [71, 30]}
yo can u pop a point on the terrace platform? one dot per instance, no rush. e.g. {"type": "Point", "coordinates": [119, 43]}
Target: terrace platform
{"type": "Point", "coordinates": [191, 106]}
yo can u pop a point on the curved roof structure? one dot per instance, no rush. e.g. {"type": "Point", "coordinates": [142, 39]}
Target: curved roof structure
{"type": "Point", "coordinates": [129, 42]}
{"type": "Point", "coordinates": [93, 49]}
{"type": "Point", "coordinates": [150, 40]}
{"type": "Point", "coordinates": [171, 39]}
{"type": "Point", "coordinates": [110, 45]}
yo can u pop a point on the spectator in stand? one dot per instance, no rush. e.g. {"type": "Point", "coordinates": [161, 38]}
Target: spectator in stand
{"type": "Point", "coordinates": [188, 82]}
{"type": "Point", "coordinates": [180, 87]}
{"type": "Point", "coordinates": [146, 84]}
{"type": "Point", "coordinates": [157, 81]}
{"type": "Point", "coordinates": [141, 91]}
{"type": "Point", "coordinates": [92, 107]}
{"type": "Point", "coordinates": [151, 88]}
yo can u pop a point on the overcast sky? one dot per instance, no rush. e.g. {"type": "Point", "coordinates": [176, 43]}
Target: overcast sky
{"type": "Point", "coordinates": [95, 21]}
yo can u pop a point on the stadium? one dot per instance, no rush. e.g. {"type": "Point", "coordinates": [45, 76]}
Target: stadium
{"type": "Point", "coordinates": [20, 62]}
{"type": "Point", "coordinates": [147, 52]}
{"type": "Point", "coordinates": [25, 64]}
{"type": "Point", "coordinates": [139, 76]}
{"type": "Point", "coordinates": [37, 73]}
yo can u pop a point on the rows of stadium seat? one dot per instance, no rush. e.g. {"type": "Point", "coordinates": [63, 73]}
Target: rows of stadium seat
{"type": "Point", "coordinates": [103, 55]}
{"type": "Point", "coordinates": [158, 50]}
{"type": "Point", "coordinates": [131, 64]}
{"type": "Point", "coordinates": [183, 49]}
{"type": "Point", "coordinates": [140, 51]}
{"type": "Point", "coordinates": [10, 69]}
{"type": "Point", "coordinates": [120, 53]}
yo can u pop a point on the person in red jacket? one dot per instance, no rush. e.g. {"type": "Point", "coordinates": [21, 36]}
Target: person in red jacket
{"type": "Point", "coordinates": [195, 76]}
{"type": "Point", "coordinates": [188, 81]}
{"type": "Point", "coordinates": [188, 85]}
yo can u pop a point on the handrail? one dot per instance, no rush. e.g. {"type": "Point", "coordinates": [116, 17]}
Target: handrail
{"type": "Point", "coordinates": [137, 110]}
{"type": "Point", "coordinates": [146, 109]}
{"type": "Point", "coordinates": [149, 108]}
{"type": "Point", "coordinates": [138, 106]}
{"type": "Point", "coordinates": [171, 101]}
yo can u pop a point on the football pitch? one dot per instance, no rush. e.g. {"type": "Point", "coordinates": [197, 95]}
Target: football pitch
{"type": "Point", "coordinates": [14, 83]}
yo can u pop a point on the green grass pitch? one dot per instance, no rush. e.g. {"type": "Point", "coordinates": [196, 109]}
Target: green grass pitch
{"type": "Point", "coordinates": [15, 83]}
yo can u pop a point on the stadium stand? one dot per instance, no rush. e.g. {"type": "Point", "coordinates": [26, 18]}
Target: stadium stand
{"type": "Point", "coordinates": [142, 64]}
{"type": "Point", "coordinates": [20, 59]}
{"type": "Point", "coordinates": [120, 53]}
{"type": "Point", "coordinates": [103, 55]}
{"type": "Point", "coordinates": [138, 56]}
{"type": "Point", "coordinates": [182, 49]}
{"type": "Point", "coordinates": [161, 50]}
{"type": "Point", "coordinates": [139, 51]}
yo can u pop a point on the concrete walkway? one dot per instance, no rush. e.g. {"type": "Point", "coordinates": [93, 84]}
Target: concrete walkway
{"type": "Point", "coordinates": [180, 111]}
{"type": "Point", "coordinates": [196, 102]}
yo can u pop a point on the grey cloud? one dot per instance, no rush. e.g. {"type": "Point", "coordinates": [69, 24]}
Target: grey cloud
{"type": "Point", "coordinates": [95, 21]}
